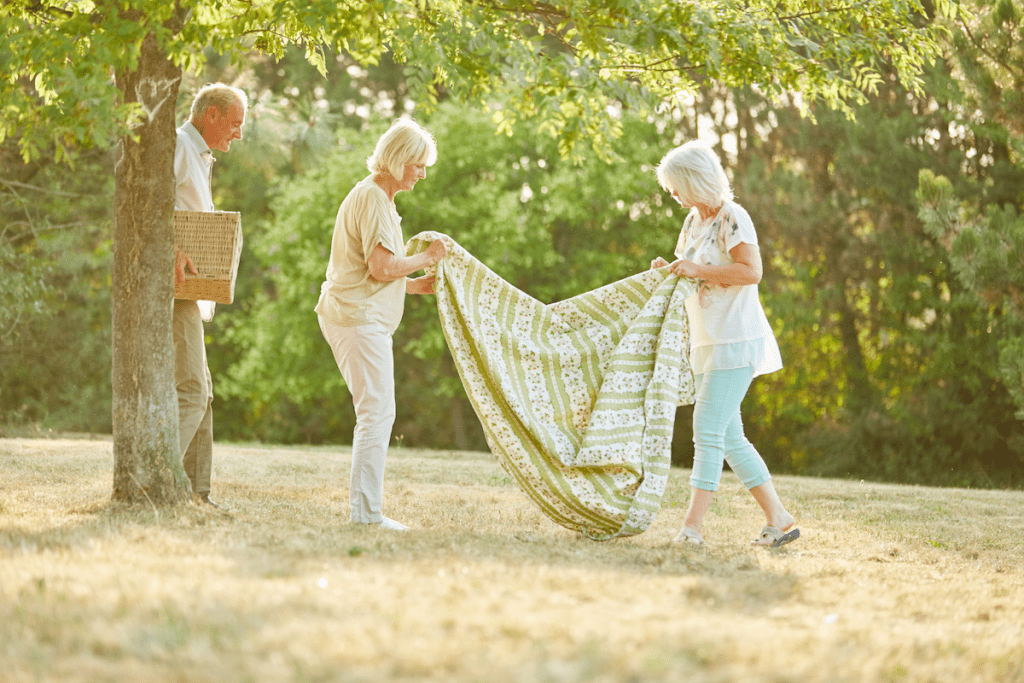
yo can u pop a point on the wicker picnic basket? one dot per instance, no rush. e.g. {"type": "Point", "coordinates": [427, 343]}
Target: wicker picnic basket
{"type": "Point", "coordinates": [213, 240]}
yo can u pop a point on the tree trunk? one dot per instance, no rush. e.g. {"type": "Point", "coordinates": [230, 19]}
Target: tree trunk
{"type": "Point", "coordinates": [147, 457]}
{"type": "Point", "coordinates": [860, 394]}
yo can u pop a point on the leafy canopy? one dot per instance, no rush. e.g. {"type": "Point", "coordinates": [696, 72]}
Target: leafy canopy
{"type": "Point", "coordinates": [984, 232]}
{"type": "Point", "coordinates": [567, 64]}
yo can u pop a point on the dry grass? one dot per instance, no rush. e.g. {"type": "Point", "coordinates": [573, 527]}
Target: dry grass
{"type": "Point", "coordinates": [888, 583]}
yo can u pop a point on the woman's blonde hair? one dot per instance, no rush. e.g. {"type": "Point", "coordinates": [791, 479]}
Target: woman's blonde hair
{"type": "Point", "coordinates": [405, 142]}
{"type": "Point", "coordinates": [696, 174]}
{"type": "Point", "coordinates": [217, 95]}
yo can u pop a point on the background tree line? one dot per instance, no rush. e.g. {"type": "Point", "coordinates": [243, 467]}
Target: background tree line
{"type": "Point", "coordinates": [892, 245]}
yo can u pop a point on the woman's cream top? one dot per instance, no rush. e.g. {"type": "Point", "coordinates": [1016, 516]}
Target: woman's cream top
{"type": "Point", "coordinates": [350, 297]}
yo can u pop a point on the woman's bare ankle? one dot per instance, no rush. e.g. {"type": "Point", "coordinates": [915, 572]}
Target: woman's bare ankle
{"type": "Point", "coordinates": [782, 521]}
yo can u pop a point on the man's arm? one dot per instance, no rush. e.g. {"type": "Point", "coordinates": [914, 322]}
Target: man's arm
{"type": "Point", "coordinates": [180, 174]}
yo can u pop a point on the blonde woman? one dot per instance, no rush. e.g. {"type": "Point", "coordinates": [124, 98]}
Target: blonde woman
{"type": "Point", "coordinates": [731, 341]}
{"type": "Point", "coordinates": [363, 297]}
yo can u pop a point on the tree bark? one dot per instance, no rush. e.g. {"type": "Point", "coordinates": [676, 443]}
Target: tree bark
{"type": "Point", "coordinates": [147, 457]}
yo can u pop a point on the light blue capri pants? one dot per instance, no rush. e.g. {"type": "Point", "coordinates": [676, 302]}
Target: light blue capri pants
{"type": "Point", "coordinates": [718, 431]}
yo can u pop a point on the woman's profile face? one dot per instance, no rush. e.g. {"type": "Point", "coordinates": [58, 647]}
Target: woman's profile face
{"type": "Point", "coordinates": [412, 174]}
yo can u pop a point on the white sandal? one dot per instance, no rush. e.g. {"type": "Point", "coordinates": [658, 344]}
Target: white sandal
{"type": "Point", "coordinates": [775, 537]}
{"type": "Point", "coordinates": [688, 535]}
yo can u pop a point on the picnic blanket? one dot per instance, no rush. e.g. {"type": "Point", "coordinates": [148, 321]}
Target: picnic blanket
{"type": "Point", "coordinates": [577, 398]}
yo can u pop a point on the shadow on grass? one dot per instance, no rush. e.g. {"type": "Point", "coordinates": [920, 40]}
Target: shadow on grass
{"type": "Point", "coordinates": [266, 547]}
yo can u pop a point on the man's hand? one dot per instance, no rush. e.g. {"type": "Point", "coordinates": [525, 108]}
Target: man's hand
{"type": "Point", "coordinates": [420, 285]}
{"type": "Point", "coordinates": [180, 261]}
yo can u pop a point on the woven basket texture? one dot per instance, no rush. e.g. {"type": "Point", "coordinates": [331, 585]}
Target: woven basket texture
{"type": "Point", "coordinates": [213, 240]}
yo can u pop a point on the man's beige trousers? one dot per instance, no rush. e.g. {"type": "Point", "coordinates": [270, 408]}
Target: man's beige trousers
{"type": "Point", "coordinates": [195, 395]}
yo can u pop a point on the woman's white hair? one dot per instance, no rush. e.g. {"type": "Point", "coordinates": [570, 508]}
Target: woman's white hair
{"type": "Point", "coordinates": [695, 173]}
{"type": "Point", "coordinates": [405, 142]}
{"type": "Point", "coordinates": [217, 95]}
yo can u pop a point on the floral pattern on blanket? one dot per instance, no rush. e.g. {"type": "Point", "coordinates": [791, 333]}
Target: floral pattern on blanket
{"type": "Point", "coordinates": [577, 398]}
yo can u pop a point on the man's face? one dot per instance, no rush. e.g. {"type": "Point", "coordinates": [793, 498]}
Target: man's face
{"type": "Point", "coordinates": [219, 128]}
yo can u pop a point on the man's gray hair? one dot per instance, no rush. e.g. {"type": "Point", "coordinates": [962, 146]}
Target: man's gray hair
{"type": "Point", "coordinates": [217, 95]}
{"type": "Point", "coordinates": [405, 142]}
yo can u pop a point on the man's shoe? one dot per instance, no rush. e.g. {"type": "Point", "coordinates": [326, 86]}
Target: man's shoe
{"type": "Point", "coordinates": [205, 498]}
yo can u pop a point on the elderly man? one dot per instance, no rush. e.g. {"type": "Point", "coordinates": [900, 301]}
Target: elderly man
{"type": "Point", "coordinates": [216, 119]}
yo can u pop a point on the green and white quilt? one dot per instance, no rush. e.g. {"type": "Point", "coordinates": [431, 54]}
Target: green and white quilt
{"type": "Point", "coordinates": [577, 398]}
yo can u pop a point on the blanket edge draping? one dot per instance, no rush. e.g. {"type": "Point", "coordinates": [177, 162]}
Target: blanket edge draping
{"type": "Point", "coordinates": [577, 398]}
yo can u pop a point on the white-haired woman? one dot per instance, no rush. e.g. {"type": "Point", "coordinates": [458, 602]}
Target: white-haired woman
{"type": "Point", "coordinates": [731, 341]}
{"type": "Point", "coordinates": [363, 297]}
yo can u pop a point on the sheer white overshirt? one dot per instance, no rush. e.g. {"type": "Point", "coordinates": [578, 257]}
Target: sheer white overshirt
{"type": "Point", "coordinates": [728, 326]}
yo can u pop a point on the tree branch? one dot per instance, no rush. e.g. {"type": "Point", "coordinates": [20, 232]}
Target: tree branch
{"type": "Point", "coordinates": [820, 12]}
{"type": "Point", "coordinates": [979, 45]}
{"type": "Point", "coordinates": [39, 9]}
{"type": "Point", "coordinates": [26, 186]}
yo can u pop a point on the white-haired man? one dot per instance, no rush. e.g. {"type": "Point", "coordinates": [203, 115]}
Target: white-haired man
{"type": "Point", "coordinates": [215, 121]}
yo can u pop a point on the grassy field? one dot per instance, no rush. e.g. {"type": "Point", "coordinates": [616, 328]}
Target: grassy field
{"type": "Point", "coordinates": [888, 583]}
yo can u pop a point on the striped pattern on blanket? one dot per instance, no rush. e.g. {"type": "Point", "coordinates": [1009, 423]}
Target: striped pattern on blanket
{"type": "Point", "coordinates": [577, 398]}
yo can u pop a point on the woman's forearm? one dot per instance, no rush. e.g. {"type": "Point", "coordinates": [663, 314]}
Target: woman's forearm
{"type": "Point", "coordinates": [386, 267]}
{"type": "Point", "coordinates": [746, 268]}
{"type": "Point", "coordinates": [734, 274]}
